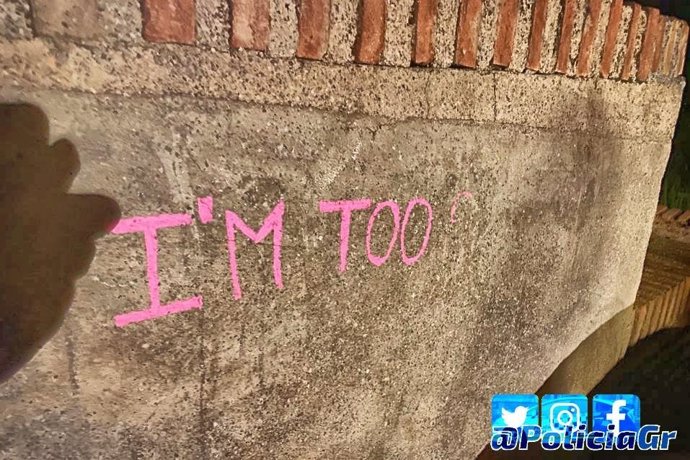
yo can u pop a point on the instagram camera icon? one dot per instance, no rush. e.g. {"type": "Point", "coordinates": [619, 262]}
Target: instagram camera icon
{"type": "Point", "coordinates": [564, 414]}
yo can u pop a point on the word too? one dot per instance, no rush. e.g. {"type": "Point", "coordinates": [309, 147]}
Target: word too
{"type": "Point", "coordinates": [272, 224]}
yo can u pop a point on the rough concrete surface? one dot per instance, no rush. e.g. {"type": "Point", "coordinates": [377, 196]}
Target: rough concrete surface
{"type": "Point", "coordinates": [15, 19]}
{"type": "Point", "coordinates": [389, 361]}
{"type": "Point", "coordinates": [613, 359]}
{"type": "Point", "coordinates": [549, 48]}
{"type": "Point", "coordinates": [70, 18]}
{"type": "Point", "coordinates": [121, 21]}
{"type": "Point", "coordinates": [394, 359]}
{"type": "Point", "coordinates": [444, 32]}
{"type": "Point", "coordinates": [398, 49]}
{"type": "Point", "coordinates": [283, 38]}
{"type": "Point", "coordinates": [213, 23]}
{"type": "Point", "coordinates": [524, 23]}
{"type": "Point", "coordinates": [343, 30]}
{"type": "Point", "coordinates": [593, 358]}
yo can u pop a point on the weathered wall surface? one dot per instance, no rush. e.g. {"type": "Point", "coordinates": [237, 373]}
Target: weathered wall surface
{"type": "Point", "coordinates": [542, 190]}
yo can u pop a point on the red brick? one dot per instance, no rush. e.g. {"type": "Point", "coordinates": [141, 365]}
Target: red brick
{"type": "Point", "coordinates": [169, 21]}
{"type": "Point", "coordinates": [372, 32]}
{"type": "Point", "coordinates": [566, 36]}
{"type": "Point", "coordinates": [647, 326]}
{"type": "Point", "coordinates": [250, 25]}
{"type": "Point", "coordinates": [659, 43]}
{"type": "Point", "coordinates": [634, 27]}
{"type": "Point", "coordinates": [684, 219]}
{"type": "Point", "coordinates": [682, 49]}
{"type": "Point", "coordinates": [536, 38]}
{"type": "Point", "coordinates": [671, 215]}
{"type": "Point", "coordinates": [314, 26]}
{"type": "Point", "coordinates": [639, 324]}
{"type": "Point", "coordinates": [666, 65]}
{"type": "Point", "coordinates": [424, 31]}
{"type": "Point", "coordinates": [587, 40]}
{"type": "Point", "coordinates": [467, 33]}
{"type": "Point", "coordinates": [612, 29]}
{"type": "Point", "coordinates": [649, 44]}
{"type": "Point", "coordinates": [505, 33]}
{"type": "Point", "coordinates": [668, 306]}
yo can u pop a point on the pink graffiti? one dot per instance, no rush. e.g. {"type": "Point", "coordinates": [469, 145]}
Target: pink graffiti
{"type": "Point", "coordinates": [205, 207]}
{"type": "Point", "coordinates": [427, 233]}
{"type": "Point", "coordinates": [150, 226]}
{"type": "Point", "coordinates": [454, 206]}
{"type": "Point", "coordinates": [272, 223]}
{"type": "Point", "coordinates": [395, 209]}
{"type": "Point", "coordinates": [346, 207]}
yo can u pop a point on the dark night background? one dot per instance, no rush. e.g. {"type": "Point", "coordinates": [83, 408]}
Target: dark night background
{"type": "Point", "coordinates": [675, 191]}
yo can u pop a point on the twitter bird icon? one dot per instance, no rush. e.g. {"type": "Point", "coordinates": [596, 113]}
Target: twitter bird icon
{"type": "Point", "coordinates": [516, 418]}
{"type": "Point", "coordinates": [514, 411]}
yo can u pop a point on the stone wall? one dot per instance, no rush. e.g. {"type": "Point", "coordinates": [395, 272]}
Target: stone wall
{"type": "Point", "coordinates": [504, 160]}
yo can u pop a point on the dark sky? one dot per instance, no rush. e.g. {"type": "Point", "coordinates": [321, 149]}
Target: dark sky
{"type": "Point", "coordinates": [680, 8]}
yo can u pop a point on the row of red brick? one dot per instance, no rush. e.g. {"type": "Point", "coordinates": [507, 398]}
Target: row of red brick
{"type": "Point", "coordinates": [661, 51]}
{"type": "Point", "coordinates": [678, 216]}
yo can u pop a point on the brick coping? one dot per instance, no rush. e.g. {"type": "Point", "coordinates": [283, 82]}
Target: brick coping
{"type": "Point", "coordinates": [673, 216]}
{"type": "Point", "coordinates": [581, 38]}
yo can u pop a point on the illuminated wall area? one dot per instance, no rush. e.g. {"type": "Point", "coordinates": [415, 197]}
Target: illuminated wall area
{"type": "Point", "coordinates": [345, 224]}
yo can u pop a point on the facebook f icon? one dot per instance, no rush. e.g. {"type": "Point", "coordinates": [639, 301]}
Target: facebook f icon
{"type": "Point", "coordinates": [616, 413]}
{"type": "Point", "coordinates": [616, 416]}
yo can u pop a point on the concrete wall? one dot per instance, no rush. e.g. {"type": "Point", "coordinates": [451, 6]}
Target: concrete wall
{"type": "Point", "coordinates": [662, 303]}
{"type": "Point", "coordinates": [616, 358]}
{"type": "Point", "coordinates": [538, 138]}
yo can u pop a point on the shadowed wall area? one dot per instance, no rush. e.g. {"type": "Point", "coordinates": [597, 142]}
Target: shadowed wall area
{"type": "Point", "coordinates": [344, 226]}
{"type": "Point", "coordinates": [47, 234]}
{"type": "Point", "coordinates": [657, 369]}
{"type": "Point", "coordinates": [641, 350]}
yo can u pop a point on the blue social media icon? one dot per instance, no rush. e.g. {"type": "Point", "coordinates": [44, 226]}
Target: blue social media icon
{"type": "Point", "coordinates": [616, 413]}
{"type": "Point", "coordinates": [564, 414]}
{"type": "Point", "coordinates": [514, 411]}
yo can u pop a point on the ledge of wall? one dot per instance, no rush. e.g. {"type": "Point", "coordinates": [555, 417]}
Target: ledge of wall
{"type": "Point", "coordinates": [647, 110]}
{"type": "Point", "coordinates": [583, 38]}
{"type": "Point", "coordinates": [473, 60]}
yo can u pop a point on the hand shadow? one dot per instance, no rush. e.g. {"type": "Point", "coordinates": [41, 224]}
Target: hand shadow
{"type": "Point", "coordinates": [47, 236]}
